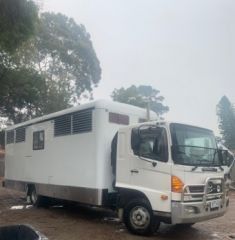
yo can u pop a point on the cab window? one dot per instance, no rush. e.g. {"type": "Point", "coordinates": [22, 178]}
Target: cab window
{"type": "Point", "coordinates": [150, 142]}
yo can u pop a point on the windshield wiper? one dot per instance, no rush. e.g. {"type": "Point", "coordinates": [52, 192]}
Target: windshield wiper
{"type": "Point", "coordinates": [193, 146]}
{"type": "Point", "coordinates": [221, 168]}
{"type": "Point", "coordinates": [200, 162]}
{"type": "Point", "coordinates": [194, 168]}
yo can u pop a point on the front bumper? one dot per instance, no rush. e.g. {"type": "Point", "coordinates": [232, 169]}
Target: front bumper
{"type": "Point", "coordinates": [191, 212]}
{"type": "Point", "coordinates": [201, 202]}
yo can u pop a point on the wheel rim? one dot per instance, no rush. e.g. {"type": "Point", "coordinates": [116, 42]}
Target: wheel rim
{"type": "Point", "coordinates": [140, 217]}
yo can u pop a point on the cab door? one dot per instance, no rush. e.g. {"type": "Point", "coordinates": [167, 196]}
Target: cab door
{"type": "Point", "coordinates": [150, 168]}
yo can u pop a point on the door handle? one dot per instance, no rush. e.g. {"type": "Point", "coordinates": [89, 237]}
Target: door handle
{"type": "Point", "coordinates": [134, 171]}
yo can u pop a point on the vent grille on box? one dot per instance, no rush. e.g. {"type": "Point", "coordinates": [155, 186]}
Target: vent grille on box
{"type": "Point", "coordinates": [10, 136]}
{"type": "Point", "coordinates": [20, 135]}
{"type": "Point", "coordinates": [82, 121]}
{"type": "Point", "coordinates": [77, 122]}
{"type": "Point", "coordinates": [62, 125]}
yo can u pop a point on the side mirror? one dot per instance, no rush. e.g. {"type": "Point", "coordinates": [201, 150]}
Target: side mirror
{"type": "Point", "coordinates": [220, 156]}
{"type": "Point", "coordinates": [135, 140]}
{"type": "Point", "coordinates": [228, 158]}
{"type": "Point", "coordinates": [225, 157]}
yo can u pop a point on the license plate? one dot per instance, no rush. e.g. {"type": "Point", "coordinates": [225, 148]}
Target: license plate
{"type": "Point", "coordinates": [215, 203]}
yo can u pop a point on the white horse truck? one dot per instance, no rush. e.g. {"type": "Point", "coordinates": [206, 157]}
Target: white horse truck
{"type": "Point", "coordinates": [104, 154]}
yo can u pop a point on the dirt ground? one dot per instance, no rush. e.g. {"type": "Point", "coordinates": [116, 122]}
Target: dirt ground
{"type": "Point", "coordinates": [70, 223]}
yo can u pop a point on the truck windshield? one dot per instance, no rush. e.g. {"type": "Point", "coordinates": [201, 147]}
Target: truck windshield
{"type": "Point", "coordinates": [194, 146]}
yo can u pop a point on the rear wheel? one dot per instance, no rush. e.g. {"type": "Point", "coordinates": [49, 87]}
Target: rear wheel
{"type": "Point", "coordinates": [35, 199]}
{"type": "Point", "coordinates": [139, 219]}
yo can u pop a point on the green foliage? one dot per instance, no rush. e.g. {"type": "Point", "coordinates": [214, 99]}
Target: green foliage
{"type": "Point", "coordinates": [2, 139]}
{"type": "Point", "coordinates": [226, 115]}
{"type": "Point", "coordinates": [140, 96]}
{"type": "Point", "coordinates": [49, 72]}
{"type": "Point", "coordinates": [20, 93]}
{"type": "Point", "coordinates": [17, 22]}
{"type": "Point", "coordinates": [63, 54]}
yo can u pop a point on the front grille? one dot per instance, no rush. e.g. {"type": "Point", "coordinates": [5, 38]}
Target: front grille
{"type": "Point", "coordinates": [213, 189]}
{"type": "Point", "coordinates": [194, 193]}
{"type": "Point", "coordinates": [196, 189]}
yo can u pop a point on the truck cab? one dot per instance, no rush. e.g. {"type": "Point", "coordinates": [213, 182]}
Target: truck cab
{"type": "Point", "coordinates": [169, 172]}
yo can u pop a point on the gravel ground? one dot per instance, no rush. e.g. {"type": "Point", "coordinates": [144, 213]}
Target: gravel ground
{"type": "Point", "coordinates": [70, 223]}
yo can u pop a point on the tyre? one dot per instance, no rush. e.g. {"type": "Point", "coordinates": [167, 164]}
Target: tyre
{"type": "Point", "coordinates": [139, 219]}
{"type": "Point", "coordinates": [35, 199]}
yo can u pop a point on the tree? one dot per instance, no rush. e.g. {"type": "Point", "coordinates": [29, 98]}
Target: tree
{"type": "Point", "coordinates": [20, 93]}
{"type": "Point", "coordinates": [63, 54]}
{"type": "Point", "coordinates": [226, 115]}
{"type": "Point", "coordinates": [49, 72]}
{"type": "Point", "coordinates": [18, 19]}
{"type": "Point", "coordinates": [2, 139]}
{"type": "Point", "coordinates": [140, 96]}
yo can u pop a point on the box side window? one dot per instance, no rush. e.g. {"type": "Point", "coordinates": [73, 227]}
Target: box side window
{"type": "Point", "coordinates": [38, 140]}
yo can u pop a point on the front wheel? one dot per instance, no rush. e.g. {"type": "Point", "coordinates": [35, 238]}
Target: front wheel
{"type": "Point", "coordinates": [139, 219]}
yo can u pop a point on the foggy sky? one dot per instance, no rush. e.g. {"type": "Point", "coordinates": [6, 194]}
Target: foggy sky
{"type": "Point", "coordinates": [184, 48]}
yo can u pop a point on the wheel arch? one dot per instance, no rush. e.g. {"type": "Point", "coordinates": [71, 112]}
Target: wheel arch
{"type": "Point", "coordinates": [126, 195]}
